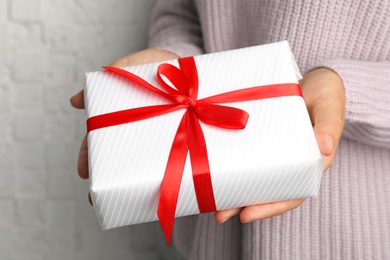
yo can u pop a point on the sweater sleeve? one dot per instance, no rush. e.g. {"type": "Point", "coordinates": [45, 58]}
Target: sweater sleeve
{"type": "Point", "coordinates": [367, 90]}
{"type": "Point", "coordinates": [175, 27]}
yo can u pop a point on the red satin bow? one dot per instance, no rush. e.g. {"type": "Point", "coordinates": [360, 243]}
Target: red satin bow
{"type": "Point", "coordinates": [189, 135]}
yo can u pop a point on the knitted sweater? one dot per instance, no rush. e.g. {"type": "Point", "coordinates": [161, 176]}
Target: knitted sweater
{"type": "Point", "coordinates": [350, 219]}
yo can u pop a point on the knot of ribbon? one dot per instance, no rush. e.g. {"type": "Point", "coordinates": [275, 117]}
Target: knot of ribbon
{"type": "Point", "coordinates": [189, 136]}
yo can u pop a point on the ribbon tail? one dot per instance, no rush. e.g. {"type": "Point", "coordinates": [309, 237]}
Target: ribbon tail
{"type": "Point", "coordinates": [200, 165]}
{"type": "Point", "coordinates": [170, 185]}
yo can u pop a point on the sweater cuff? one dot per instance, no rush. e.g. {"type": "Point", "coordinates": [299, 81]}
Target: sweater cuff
{"type": "Point", "coordinates": [367, 116]}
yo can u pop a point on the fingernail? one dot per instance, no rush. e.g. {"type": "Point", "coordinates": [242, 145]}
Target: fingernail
{"type": "Point", "coordinates": [328, 141]}
{"type": "Point", "coordinates": [224, 220]}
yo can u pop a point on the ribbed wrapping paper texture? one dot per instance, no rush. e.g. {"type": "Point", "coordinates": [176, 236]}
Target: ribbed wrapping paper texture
{"type": "Point", "coordinates": [274, 158]}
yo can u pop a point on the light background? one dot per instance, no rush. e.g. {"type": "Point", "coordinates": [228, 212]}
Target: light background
{"type": "Point", "coordinates": [45, 48]}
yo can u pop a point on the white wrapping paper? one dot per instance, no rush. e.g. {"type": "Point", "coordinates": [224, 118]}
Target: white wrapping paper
{"type": "Point", "coordinates": [274, 158]}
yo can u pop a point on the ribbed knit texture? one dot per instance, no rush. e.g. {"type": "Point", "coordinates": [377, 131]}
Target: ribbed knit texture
{"type": "Point", "coordinates": [351, 217]}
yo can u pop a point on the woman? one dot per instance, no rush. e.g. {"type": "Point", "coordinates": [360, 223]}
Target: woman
{"type": "Point", "coordinates": [344, 51]}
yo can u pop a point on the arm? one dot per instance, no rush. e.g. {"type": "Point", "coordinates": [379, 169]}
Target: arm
{"type": "Point", "coordinates": [324, 96]}
{"type": "Point", "coordinates": [353, 95]}
{"type": "Point", "coordinates": [175, 28]}
{"type": "Point", "coordinates": [367, 88]}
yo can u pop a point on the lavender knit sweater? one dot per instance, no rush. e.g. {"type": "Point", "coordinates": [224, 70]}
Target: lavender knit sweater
{"type": "Point", "coordinates": [351, 217]}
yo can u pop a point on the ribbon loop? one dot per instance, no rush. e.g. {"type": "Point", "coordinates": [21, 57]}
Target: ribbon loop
{"type": "Point", "coordinates": [141, 82]}
{"type": "Point", "coordinates": [221, 116]}
{"type": "Point", "coordinates": [188, 67]}
{"type": "Point", "coordinates": [176, 77]}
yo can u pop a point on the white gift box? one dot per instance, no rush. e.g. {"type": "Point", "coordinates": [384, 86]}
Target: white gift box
{"type": "Point", "coordinates": [274, 158]}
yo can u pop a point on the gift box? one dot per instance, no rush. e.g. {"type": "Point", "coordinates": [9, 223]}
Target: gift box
{"type": "Point", "coordinates": [198, 134]}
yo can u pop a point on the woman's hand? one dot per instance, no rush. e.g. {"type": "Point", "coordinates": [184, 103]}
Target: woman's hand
{"type": "Point", "coordinates": [77, 101]}
{"type": "Point", "coordinates": [324, 95]}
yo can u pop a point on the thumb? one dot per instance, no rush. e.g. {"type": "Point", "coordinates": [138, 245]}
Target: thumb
{"type": "Point", "coordinates": [328, 120]}
{"type": "Point", "coordinates": [324, 95]}
{"type": "Point", "coordinates": [327, 135]}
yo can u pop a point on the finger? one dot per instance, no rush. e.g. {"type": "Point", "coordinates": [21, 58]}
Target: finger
{"type": "Point", "coordinates": [82, 162]}
{"type": "Point", "coordinates": [327, 135]}
{"type": "Point", "coordinates": [328, 116]}
{"type": "Point", "coordinates": [328, 126]}
{"type": "Point", "coordinates": [90, 199]}
{"type": "Point", "coordinates": [325, 99]}
{"type": "Point", "coordinates": [123, 62]}
{"type": "Point", "coordinates": [263, 211]}
{"type": "Point", "coordinates": [328, 162]}
{"type": "Point", "coordinates": [144, 57]}
{"type": "Point", "coordinates": [77, 101]}
{"type": "Point", "coordinates": [223, 215]}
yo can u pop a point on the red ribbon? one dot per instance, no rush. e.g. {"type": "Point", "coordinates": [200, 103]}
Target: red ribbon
{"type": "Point", "coordinates": [189, 135]}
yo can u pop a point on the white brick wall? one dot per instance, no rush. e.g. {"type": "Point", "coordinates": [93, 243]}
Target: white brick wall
{"type": "Point", "coordinates": [45, 48]}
